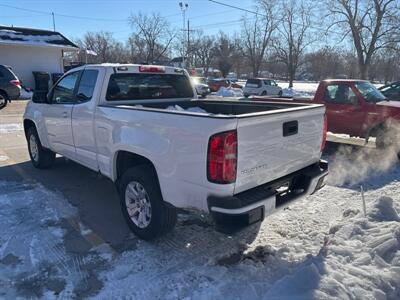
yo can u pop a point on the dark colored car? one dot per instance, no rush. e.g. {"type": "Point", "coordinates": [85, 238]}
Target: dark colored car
{"type": "Point", "coordinates": [391, 91]}
{"type": "Point", "coordinates": [216, 84]}
{"type": "Point", "coordinates": [10, 86]}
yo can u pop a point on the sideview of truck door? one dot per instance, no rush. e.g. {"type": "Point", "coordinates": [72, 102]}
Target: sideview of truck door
{"type": "Point", "coordinates": [57, 115]}
{"type": "Point", "coordinates": [83, 115]}
{"type": "Point", "coordinates": [342, 103]}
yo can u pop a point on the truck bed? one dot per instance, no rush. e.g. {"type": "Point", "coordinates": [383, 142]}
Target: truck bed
{"type": "Point", "coordinates": [274, 139]}
{"type": "Point", "coordinates": [222, 108]}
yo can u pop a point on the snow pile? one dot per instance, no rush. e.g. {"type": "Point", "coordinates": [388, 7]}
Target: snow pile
{"type": "Point", "coordinates": [360, 259]}
{"type": "Point", "coordinates": [10, 127]}
{"type": "Point", "coordinates": [229, 92]}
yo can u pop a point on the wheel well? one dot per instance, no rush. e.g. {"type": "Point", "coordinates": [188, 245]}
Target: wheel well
{"type": "Point", "coordinates": [126, 160]}
{"type": "Point", "coordinates": [28, 124]}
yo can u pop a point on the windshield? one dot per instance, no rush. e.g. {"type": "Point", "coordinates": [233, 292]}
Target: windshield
{"type": "Point", "coordinates": [370, 92]}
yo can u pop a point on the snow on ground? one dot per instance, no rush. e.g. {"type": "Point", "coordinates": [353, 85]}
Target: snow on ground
{"type": "Point", "coordinates": [300, 89]}
{"type": "Point", "coordinates": [321, 247]}
{"type": "Point", "coordinates": [11, 127]}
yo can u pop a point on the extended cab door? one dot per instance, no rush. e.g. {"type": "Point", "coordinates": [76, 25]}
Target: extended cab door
{"type": "Point", "coordinates": [343, 109]}
{"type": "Point", "coordinates": [57, 115]}
{"type": "Point", "coordinates": [83, 116]}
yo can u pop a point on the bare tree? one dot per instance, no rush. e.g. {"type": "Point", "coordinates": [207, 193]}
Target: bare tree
{"type": "Point", "coordinates": [373, 25]}
{"type": "Point", "coordinates": [293, 35]}
{"type": "Point", "coordinates": [204, 51]}
{"type": "Point", "coordinates": [152, 32]}
{"type": "Point", "coordinates": [106, 47]}
{"type": "Point", "coordinates": [324, 63]}
{"type": "Point", "coordinates": [224, 51]}
{"type": "Point", "coordinates": [257, 33]}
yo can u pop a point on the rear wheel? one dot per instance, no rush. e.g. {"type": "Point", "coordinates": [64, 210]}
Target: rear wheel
{"type": "Point", "coordinates": [41, 158]}
{"type": "Point", "coordinates": [264, 93]}
{"type": "Point", "coordinates": [280, 94]}
{"type": "Point", "coordinates": [3, 100]}
{"type": "Point", "coordinates": [147, 215]}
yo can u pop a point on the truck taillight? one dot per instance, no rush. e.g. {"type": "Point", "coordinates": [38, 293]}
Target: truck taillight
{"type": "Point", "coordinates": [17, 83]}
{"type": "Point", "coordinates": [222, 157]}
{"type": "Point", "coordinates": [151, 69]}
{"type": "Point", "coordinates": [324, 133]}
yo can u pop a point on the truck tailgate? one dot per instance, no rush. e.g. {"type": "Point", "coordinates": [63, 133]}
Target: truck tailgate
{"type": "Point", "coordinates": [274, 145]}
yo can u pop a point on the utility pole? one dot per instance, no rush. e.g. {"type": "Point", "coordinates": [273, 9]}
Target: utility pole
{"type": "Point", "coordinates": [54, 22]}
{"type": "Point", "coordinates": [184, 7]}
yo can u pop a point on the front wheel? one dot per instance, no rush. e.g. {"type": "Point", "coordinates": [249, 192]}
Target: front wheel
{"type": "Point", "coordinates": [41, 158]}
{"type": "Point", "coordinates": [3, 100]}
{"type": "Point", "coordinates": [280, 94]}
{"type": "Point", "coordinates": [147, 215]}
{"type": "Point", "coordinates": [264, 93]}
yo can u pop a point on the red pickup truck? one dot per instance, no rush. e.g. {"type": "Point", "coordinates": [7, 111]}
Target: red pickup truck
{"type": "Point", "coordinates": [356, 108]}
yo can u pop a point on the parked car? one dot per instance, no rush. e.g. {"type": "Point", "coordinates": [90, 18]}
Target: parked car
{"type": "Point", "coordinates": [200, 83]}
{"type": "Point", "coordinates": [391, 91]}
{"type": "Point", "coordinates": [357, 108]}
{"type": "Point", "coordinates": [233, 159]}
{"type": "Point", "coordinates": [216, 84]}
{"type": "Point", "coordinates": [10, 86]}
{"type": "Point", "coordinates": [261, 87]}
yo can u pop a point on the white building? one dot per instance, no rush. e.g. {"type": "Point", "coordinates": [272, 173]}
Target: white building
{"type": "Point", "coordinates": [27, 50]}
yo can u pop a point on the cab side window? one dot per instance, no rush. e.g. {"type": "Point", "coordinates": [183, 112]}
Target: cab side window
{"type": "Point", "coordinates": [339, 94]}
{"type": "Point", "coordinates": [63, 92]}
{"type": "Point", "coordinates": [87, 85]}
{"type": "Point", "coordinates": [267, 82]}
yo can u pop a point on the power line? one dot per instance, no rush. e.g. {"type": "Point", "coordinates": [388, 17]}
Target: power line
{"type": "Point", "coordinates": [258, 14]}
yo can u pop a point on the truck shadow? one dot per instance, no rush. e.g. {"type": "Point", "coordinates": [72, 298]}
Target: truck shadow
{"type": "Point", "coordinates": [352, 166]}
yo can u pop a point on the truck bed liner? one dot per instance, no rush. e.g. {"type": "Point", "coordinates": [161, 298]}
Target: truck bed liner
{"type": "Point", "coordinates": [223, 108]}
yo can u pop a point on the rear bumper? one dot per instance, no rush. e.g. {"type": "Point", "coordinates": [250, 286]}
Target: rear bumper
{"type": "Point", "coordinates": [253, 205]}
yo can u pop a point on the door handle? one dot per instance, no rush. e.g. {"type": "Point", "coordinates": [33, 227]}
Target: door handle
{"type": "Point", "coordinates": [65, 114]}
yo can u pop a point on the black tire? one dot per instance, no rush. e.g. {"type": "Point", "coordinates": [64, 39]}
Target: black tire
{"type": "Point", "coordinates": [42, 158]}
{"type": "Point", "coordinates": [280, 94]}
{"type": "Point", "coordinates": [264, 93]}
{"type": "Point", "coordinates": [3, 100]}
{"type": "Point", "coordinates": [163, 215]}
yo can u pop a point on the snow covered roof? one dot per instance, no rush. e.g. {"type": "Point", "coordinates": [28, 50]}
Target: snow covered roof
{"type": "Point", "coordinates": [34, 37]}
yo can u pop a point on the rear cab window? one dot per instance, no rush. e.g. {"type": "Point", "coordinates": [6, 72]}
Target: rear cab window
{"type": "Point", "coordinates": [253, 83]}
{"type": "Point", "coordinates": [140, 86]}
{"type": "Point", "coordinates": [339, 94]}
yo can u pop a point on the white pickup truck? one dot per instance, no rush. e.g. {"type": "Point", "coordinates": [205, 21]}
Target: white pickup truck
{"type": "Point", "coordinates": [143, 127]}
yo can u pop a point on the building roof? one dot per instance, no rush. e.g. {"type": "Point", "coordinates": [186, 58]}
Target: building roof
{"type": "Point", "coordinates": [34, 37]}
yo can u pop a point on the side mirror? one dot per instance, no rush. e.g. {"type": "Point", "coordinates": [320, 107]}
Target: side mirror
{"type": "Point", "coordinates": [40, 96]}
